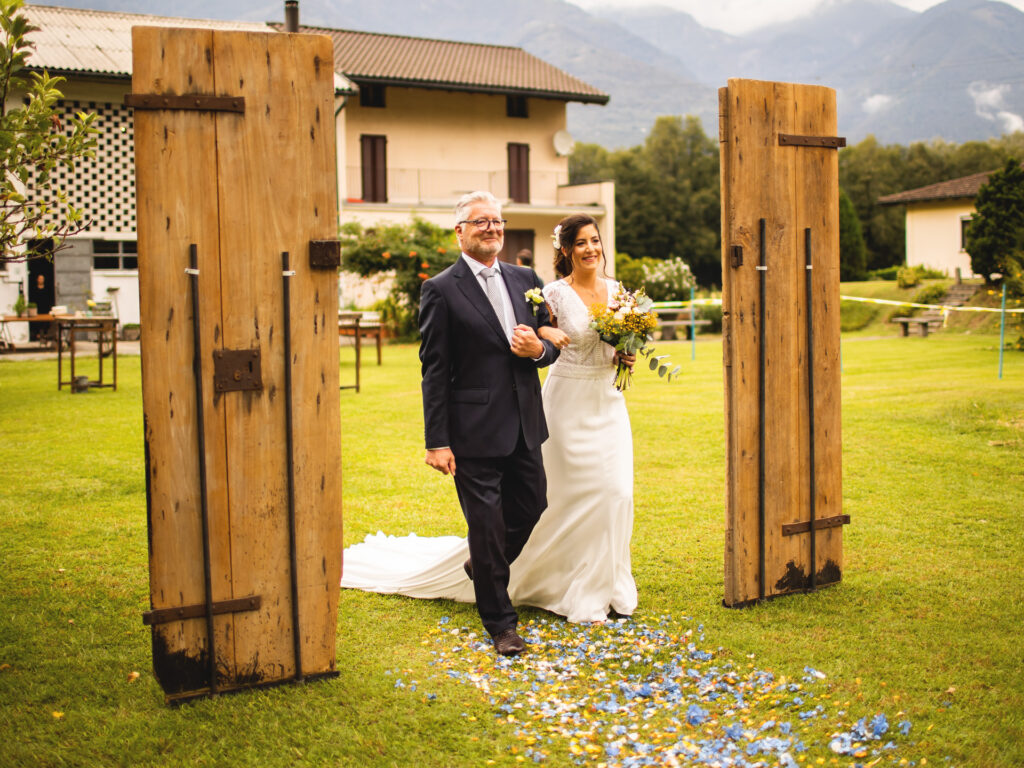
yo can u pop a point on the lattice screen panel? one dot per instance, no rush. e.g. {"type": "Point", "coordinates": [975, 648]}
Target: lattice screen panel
{"type": "Point", "coordinates": [103, 186]}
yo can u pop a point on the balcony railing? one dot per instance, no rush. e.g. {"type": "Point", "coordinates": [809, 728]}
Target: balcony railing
{"type": "Point", "coordinates": [415, 186]}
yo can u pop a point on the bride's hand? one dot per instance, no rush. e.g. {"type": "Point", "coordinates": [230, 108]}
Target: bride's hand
{"type": "Point", "coordinates": [559, 338]}
{"type": "Point", "coordinates": [627, 360]}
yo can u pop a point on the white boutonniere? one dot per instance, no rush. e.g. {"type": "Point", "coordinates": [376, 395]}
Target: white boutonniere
{"type": "Point", "coordinates": [534, 298]}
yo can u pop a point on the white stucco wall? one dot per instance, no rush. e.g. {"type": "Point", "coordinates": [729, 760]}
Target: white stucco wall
{"type": "Point", "coordinates": [933, 235]}
{"type": "Point", "coordinates": [442, 144]}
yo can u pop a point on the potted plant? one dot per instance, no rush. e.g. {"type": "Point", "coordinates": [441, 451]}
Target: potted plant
{"type": "Point", "coordinates": [19, 305]}
{"type": "Point", "coordinates": [33, 309]}
{"type": "Point", "coordinates": [131, 332]}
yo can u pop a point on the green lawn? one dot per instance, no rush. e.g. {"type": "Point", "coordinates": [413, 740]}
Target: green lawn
{"type": "Point", "coordinates": [925, 625]}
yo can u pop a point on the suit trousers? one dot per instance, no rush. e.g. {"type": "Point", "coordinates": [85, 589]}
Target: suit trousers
{"type": "Point", "coordinates": [502, 499]}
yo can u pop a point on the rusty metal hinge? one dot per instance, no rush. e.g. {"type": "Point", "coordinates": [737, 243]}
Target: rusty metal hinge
{"type": "Point", "coordinates": [324, 254]}
{"type": "Point", "coordinates": [737, 255]}
{"type": "Point", "coordinates": [237, 370]}
{"type": "Point", "coordinates": [788, 529]}
{"type": "Point", "coordinates": [829, 142]}
{"type": "Point", "coordinates": [196, 101]}
{"type": "Point", "coordinates": [164, 615]}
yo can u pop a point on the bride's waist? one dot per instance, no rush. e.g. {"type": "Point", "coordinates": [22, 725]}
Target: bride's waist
{"type": "Point", "coordinates": [572, 370]}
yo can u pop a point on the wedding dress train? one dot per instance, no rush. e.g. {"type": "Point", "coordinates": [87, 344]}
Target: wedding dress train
{"type": "Point", "coordinates": [577, 561]}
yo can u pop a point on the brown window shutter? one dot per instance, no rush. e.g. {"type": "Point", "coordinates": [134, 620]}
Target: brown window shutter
{"type": "Point", "coordinates": [519, 172]}
{"type": "Point", "coordinates": [375, 168]}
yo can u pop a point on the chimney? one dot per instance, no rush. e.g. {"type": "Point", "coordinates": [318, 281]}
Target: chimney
{"type": "Point", "coordinates": [291, 15]}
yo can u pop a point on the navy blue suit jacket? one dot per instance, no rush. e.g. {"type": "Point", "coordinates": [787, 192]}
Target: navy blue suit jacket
{"type": "Point", "coordinates": [477, 395]}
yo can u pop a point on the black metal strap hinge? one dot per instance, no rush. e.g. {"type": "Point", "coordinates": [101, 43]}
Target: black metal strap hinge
{"type": "Point", "coordinates": [197, 611]}
{"type": "Point", "coordinates": [828, 142]}
{"type": "Point", "coordinates": [788, 529]}
{"type": "Point", "coordinates": [197, 101]}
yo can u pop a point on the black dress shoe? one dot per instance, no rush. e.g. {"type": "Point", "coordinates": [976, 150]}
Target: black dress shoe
{"type": "Point", "coordinates": [509, 643]}
{"type": "Point", "coordinates": [468, 568]}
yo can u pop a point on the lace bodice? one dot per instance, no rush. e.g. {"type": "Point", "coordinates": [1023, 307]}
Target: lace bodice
{"type": "Point", "coordinates": [586, 356]}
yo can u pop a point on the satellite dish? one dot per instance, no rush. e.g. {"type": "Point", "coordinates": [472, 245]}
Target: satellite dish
{"type": "Point", "coordinates": [564, 142]}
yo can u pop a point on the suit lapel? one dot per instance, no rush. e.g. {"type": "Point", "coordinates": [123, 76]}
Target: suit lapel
{"type": "Point", "coordinates": [471, 289]}
{"type": "Point", "coordinates": [515, 295]}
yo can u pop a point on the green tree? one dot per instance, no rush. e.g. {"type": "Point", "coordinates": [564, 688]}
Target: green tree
{"type": "Point", "coordinates": [852, 252]}
{"type": "Point", "coordinates": [667, 197]}
{"type": "Point", "coordinates": [995, 237]}
{"type": "Point", "coordinates": [33, 143]}
{"type": "Point", "coordinates": [868, 171]}
{"type": "Point", "coordinates": [589, 163]}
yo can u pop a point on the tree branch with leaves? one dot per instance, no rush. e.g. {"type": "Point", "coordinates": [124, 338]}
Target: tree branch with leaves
{"type": "Point", "coordinates": [34, 144]}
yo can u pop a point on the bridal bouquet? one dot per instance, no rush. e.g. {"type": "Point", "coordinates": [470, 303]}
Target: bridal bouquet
{"type": "Point", "coordinates": [626, 324]}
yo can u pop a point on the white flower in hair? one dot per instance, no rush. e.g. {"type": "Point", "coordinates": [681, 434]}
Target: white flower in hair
{"type": "Point", "coordinates": [554, 237]}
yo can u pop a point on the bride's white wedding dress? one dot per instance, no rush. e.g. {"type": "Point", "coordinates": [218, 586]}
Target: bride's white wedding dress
{"type": "Point", "coordinates": [577, 561]}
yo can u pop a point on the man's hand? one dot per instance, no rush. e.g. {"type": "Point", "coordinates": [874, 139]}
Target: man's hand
{"type": "Point", "coordinates": [525, 342]}
{"type": "Point", "coordinates": [627, 360]}
{"type": "Point", "coordinates": [442, 459]}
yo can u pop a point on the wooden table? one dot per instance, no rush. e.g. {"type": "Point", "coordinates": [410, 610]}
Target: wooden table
{"type": "Point", "coordinates": [68, 328]}
{"type": "Point", "coordinates": [5, 335]}
{"type": "Point", "coordinates": [356, 324]}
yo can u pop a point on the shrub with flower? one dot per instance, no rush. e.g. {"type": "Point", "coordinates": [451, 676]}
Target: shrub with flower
{"type": "Point", "coordinates": [668, 280]}
{"type": "Point", "coordinates": [626, 324]}
{"type": "Point", "coordinates": [411, 253]}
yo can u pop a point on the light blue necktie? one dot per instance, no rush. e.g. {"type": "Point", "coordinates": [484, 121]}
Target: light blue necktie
{"type": "Point", "coordinates": [490, 275]}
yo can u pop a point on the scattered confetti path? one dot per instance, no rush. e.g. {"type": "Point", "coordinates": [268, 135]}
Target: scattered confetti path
{"type": "Point", "coordinates": [628, 693]}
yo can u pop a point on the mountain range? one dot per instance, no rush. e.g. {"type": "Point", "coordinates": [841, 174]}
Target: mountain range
{"type": "Point", "coordinates": [955, 71]}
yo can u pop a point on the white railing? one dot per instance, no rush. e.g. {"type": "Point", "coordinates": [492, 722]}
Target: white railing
{"type": "Point", "coordinates": [416, 186]}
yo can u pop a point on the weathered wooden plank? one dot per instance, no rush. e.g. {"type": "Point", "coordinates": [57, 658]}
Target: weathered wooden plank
{"type": "Point", "coordinates": [267, 207]}
{"type": "Point", "coordinates": [820, 188]}
{"type": "Point", "coordinates": [315, 366]}
{"type": "Point", "coordinates": [249, 174]}
{"type": "Point", "coordinates": [175, 160]}
{"type": "Point", "coordinates": [745, 204]}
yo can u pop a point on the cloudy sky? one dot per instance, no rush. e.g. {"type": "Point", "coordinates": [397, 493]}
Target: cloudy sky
{"type": "Point", "coordinates": [738, 16]}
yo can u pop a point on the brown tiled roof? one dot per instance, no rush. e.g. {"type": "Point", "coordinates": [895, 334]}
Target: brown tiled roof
{"type": "Point", "coordinates": [76, 40]}
{"type": "Point", "coordinates": [964, 187]}
{"type": "Point", "coordinates": [368, 57]}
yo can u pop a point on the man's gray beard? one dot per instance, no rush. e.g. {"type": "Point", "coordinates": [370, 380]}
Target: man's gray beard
{"type": "Point", "coordinates": [486, 250]}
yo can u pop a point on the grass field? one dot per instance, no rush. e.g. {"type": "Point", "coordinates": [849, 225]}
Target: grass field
{"type": "Point", "coordinates": [926, 624]}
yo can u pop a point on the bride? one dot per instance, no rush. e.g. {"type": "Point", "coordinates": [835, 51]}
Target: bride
{"type": "Point", "coordinates": [577, 561]}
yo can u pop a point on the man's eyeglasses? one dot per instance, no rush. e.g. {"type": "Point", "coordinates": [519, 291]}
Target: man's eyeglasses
{"type": "Point", "coordinates": [486, 223]}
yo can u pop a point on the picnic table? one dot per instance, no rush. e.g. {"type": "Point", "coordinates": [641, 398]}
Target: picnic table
{"type": "Point", "coordinates": [923, 322]}
{"type": "Point", "coordinates": [670, 318]}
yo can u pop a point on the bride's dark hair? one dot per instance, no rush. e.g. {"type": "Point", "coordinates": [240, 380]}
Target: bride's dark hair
{"type": "Point", "coordinates": [568, 228]}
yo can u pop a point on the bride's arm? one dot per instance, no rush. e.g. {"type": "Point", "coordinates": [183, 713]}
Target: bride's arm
{"type": "Point", "coordinates": [550, 332]}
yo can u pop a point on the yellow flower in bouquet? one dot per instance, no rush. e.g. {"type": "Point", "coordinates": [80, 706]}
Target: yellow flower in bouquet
{"type": "Point", "coordinates": [626, 323]}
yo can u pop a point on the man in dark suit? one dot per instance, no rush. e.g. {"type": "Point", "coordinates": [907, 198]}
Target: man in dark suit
{"type": "Point", "coordinates": [482, 409]}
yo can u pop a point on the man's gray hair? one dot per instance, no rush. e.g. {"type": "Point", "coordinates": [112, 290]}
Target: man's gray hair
{"type": "Point", "coordinates": [467, 200]}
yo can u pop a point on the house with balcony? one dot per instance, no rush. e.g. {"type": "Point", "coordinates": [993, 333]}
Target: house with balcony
{"type": "Point", "coordinates": [418, 123]}
{"type": "Point", "coordinates": [435, 119]}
